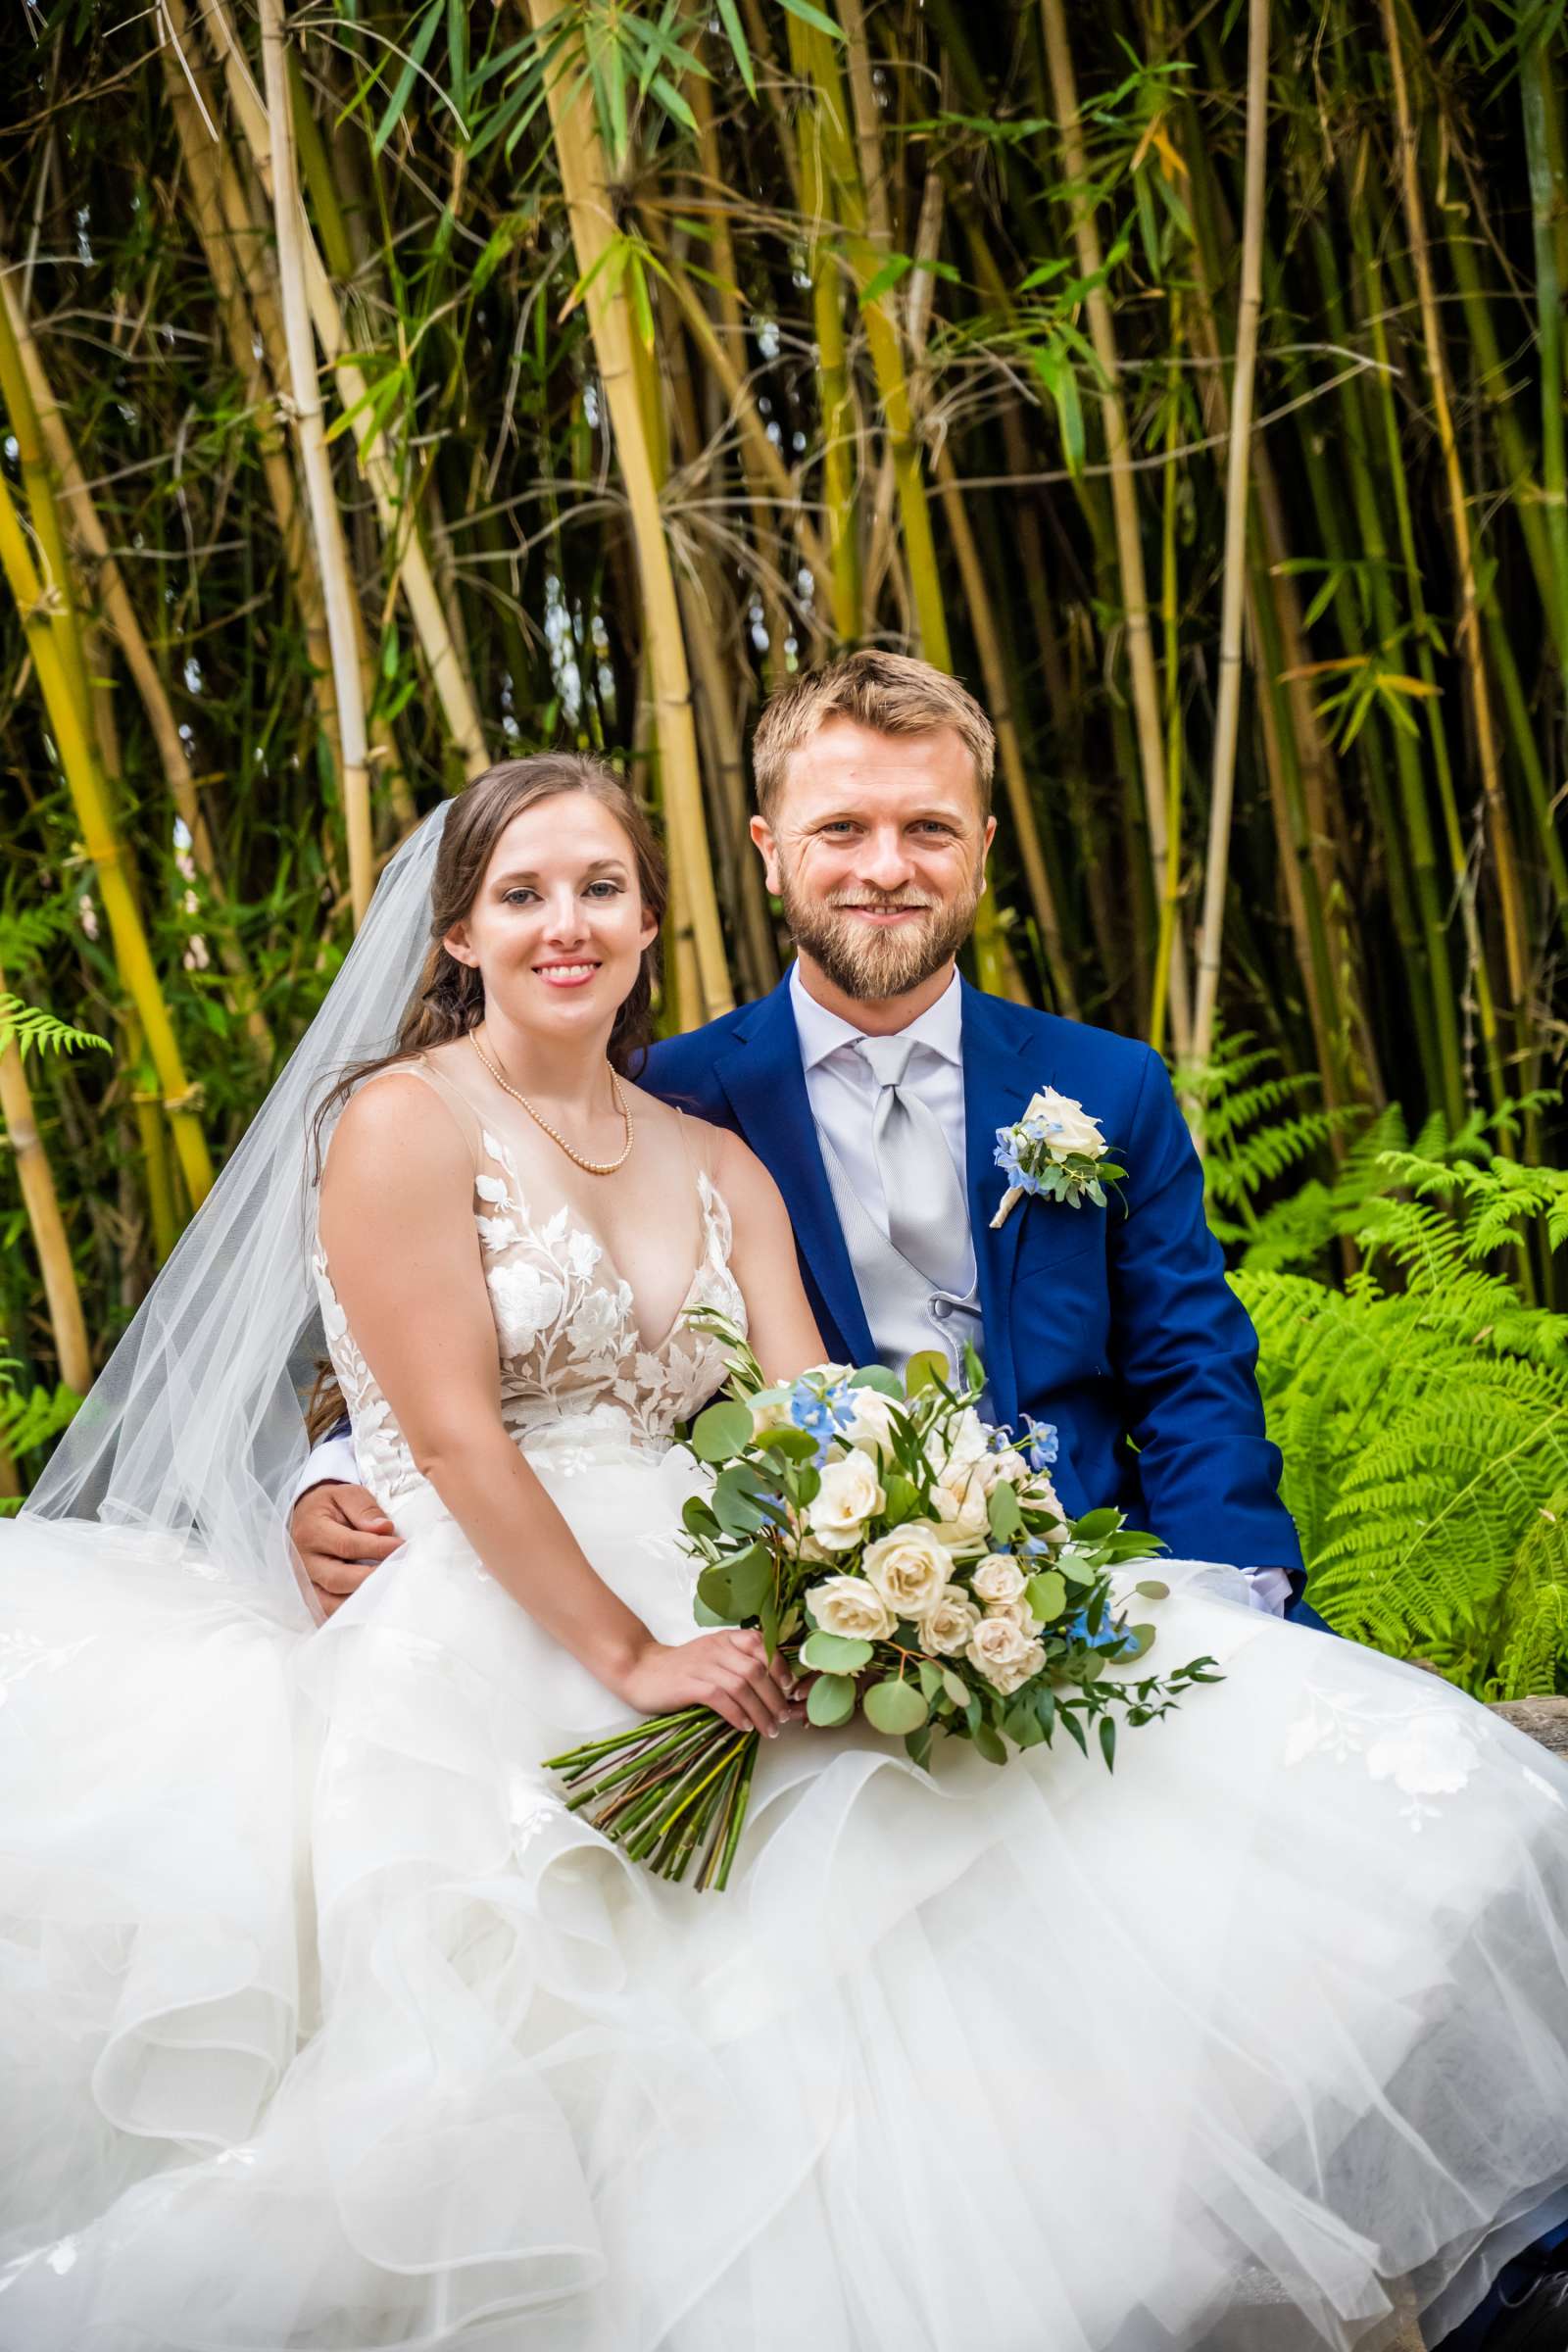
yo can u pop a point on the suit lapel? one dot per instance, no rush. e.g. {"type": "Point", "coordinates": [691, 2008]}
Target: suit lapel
{"type": "Point", "coordinates": [762, 1075]}
{"type": "Point", "coordinates": [995, 1087]}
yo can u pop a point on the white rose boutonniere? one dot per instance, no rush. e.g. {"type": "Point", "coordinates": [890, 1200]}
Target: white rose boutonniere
{"type": "Point", "coordinates": [1056, 1148]}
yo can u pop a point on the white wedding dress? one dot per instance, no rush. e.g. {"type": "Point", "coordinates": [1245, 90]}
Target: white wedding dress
{"type": "Point", "coordinates": [325, 2026]}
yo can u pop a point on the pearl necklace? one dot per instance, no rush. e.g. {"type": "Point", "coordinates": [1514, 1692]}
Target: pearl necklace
{"type": "Point", "coordinates": [590, 1167]}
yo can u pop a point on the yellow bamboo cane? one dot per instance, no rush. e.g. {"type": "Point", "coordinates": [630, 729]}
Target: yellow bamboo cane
{"type": "Point", "coordinates": [91, 800]}
{"type": "Point", "coordinates": [1124, 505]}
{"type": "Point", "coordinates": [33, 391]}
{"type": "Point", "coordinates": [41, 1202]}
{"type": "Point", "coordinates": [331, 545]}
{"type": "Point", "coordinates": [1227, 716]}
{"type": "Point", "coordinates": [408, 563]}
{"type": "Point", "coordinates": [847, 138]}
{"type": "Point", "coordinates": [580, 157]}
{"type": "Point", "coordinates": [1514, 928]}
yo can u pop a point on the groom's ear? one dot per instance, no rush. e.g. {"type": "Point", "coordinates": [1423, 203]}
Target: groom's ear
{"type": "Point", "coordinates": [762, 833]}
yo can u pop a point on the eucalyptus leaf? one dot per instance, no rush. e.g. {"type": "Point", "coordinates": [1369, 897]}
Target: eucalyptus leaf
{"type": "Point", "coordinates": [830, 1700]}
{"type": "Point", "coordinates": [722, 1431]}
{"type": "Point", "coordinates": [794, 1445]}
{"type": "Point", "coordinates": [1002, 1512]}
{"type": "Point", "coordinates": [1046, 1595]}
{"type": "Point", "coordinates": [835, 1654]}
{"type": "Point", "coordinates": [717, 1594]}
{"type": "Point", "coordinates": [895, 1706]}
{"type": "Point", "coordinates": [927, 1369]}
{"type": "Point", "coordinates": [1152, 1590]}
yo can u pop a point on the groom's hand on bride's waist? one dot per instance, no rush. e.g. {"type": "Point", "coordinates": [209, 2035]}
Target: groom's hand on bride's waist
{"type": "Point", "coordinates": [340, 1532]}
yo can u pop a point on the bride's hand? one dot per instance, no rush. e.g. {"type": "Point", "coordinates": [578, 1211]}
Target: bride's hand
{"type": "Point", "coordinates": [727, 1671]}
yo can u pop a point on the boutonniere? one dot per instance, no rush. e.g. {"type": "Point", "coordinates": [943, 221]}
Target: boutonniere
{"type": "Point", "coordinates": [1056, 1148]}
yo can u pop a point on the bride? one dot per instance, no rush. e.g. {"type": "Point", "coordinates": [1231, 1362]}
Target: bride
{"type": "Point", "coordinates": [327, 2025]}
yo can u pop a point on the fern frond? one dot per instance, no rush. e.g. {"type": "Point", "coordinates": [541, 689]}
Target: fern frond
{"type": "Point", "coordinates": [31, 1029]}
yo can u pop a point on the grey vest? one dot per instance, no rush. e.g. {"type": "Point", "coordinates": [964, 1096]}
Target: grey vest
{"type": "Point", "coordinates": [905, 1314]}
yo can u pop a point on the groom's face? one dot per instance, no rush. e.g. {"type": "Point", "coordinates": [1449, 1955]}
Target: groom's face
{"type": "Point", "coordinates": [876, 847]}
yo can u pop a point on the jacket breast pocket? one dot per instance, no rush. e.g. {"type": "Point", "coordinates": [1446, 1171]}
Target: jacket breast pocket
{"type": "Point", "coordinates": [1055, 1237]}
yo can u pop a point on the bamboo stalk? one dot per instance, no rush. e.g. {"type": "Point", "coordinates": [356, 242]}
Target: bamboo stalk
{"type": "Point", "coordinates": [91, 800]}
{"type": "Point", "coordinates": [1124, 504]}
{"type": "Point", "coordinates": [1505, 865]}
{"type": "Point", "coordinates": [580, 157]}
{"type": "Point", "coordinates": [33, 392]}
{"type": "Point", "coordinates": [1237, 470]}
{"type": "Point", "coordinates": [41, 1203]}
{"type": "Point", "coordinates": [1547, 201]}
{"type": "Point", "coordinates": [409, 564]}
{"type": "Point", "coordinates": [864, 235]}
{"type": "Point", "coordinates": [837, 408]}
{"type": "Point", "coordinates": [332, 547]}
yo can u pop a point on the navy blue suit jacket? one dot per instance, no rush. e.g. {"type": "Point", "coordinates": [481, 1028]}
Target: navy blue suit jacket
{"type": "Point", "coordinates": [1115, 1324]}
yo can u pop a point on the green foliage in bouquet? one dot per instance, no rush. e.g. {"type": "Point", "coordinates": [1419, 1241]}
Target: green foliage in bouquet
{"type": "Point", "coordinates": [1422, 1405]}
{"type": "Point", "coordinates": [910, 1561]}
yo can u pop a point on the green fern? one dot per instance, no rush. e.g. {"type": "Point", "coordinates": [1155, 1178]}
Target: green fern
{"type": "Point", "coordinates": [30, 1029]}
{"type": "Point", "coordinates": [30, 1419]}
{"type": "Point", "coordinates": [1421, 1406]}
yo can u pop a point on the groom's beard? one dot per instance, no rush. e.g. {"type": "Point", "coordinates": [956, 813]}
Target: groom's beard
{"type": "Point", "coordinates": [869, 965]}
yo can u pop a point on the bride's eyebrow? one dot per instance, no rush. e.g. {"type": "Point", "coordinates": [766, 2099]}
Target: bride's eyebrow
{"type": "Point", "coordinates": [599, 865]}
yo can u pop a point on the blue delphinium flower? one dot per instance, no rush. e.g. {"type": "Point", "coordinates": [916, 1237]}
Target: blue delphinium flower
{"type": "Point", "coordinates": [1043, 1443]}
{"type": "Point", "coordinates": [824, 1414]}
{"type": "Point", "coordinates": [1110, 1637]}
{"type": "Point", "coordinates": [1006, 1157]}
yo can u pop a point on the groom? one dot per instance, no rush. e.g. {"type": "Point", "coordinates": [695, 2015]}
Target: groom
{"type": "Point", "coordinates": [872, 1081]}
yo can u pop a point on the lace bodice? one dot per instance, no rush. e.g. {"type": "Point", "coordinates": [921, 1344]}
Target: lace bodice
{"type": "Point", "coordinates": [575, 1363]}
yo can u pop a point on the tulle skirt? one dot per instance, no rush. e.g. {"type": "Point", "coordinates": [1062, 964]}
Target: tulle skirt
{"type": "Point", "coordinates": [324, 2026]}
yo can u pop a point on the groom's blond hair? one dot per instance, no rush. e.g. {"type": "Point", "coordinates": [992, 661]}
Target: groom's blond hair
{"type": "Point", "coordinates": [892, 692]}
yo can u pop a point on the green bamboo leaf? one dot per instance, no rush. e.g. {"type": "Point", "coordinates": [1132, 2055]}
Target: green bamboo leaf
{"type": "Point", "coordinates": [813, 17]}
{"type": "Point", "coordinates": [414, 58]}
{"type": "Point", "coordinates": [729, 18]}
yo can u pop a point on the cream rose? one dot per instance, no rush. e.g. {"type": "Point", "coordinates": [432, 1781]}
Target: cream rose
{"type": "Point", "coordinates": [908, 1567]}
{"type": "Point", "coordinates": [946, 1625]}
{"type": "Point", "coordinates": [998, 1577]}
{"type": "Point", "coordinates": [849, 1493]}
{"type": "Point", "coordinates": [872, 1425]}
{"type": "Point", "coordinates": [1068, 1126]}
{"type": "Point", "coordinates": [849, 1606]}
{"type": "Point", "coordinates": [1019, 1611]}
{"type": "Point", "coordinates": [961, 1509]}
{"type": "Point", "coordinates": [1004, 1653]}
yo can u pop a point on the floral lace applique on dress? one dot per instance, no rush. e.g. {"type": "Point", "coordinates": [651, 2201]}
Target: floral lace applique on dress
{"type": "Point", "coordinates": [1425, 1752]}
{"type": "Point", "coordinates": [575, 1366]}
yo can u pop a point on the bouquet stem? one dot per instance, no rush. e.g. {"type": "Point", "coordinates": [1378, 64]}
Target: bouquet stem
{"type": "Point", "coordinates": [666, 1790]}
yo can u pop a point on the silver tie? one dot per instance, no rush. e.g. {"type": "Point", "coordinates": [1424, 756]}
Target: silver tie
{"type": "Point", "coordinates": [928, 1215]}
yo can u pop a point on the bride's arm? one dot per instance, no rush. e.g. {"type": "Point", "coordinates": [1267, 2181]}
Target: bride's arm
{"type": "Point", "coordinates": [397, 1227]}
{"type": "Point", "coordinates": [782, 1328]}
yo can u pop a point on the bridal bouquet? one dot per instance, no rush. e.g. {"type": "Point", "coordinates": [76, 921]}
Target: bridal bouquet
{"type": "Point", "coordinates": [911, 1562]}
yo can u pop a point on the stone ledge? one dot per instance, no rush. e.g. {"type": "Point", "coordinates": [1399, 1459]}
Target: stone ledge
{"type": "Point", "coordinates": [1542, 1719]}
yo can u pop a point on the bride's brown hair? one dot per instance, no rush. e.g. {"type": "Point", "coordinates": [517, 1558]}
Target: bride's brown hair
{"type": "Point", "coordinates": [449, 999]}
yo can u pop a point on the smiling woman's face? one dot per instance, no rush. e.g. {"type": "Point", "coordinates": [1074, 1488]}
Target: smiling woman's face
{"type": "Point", "coordinates": [556, 928]}
{"type": "Point", "coordinates": [877, 849]}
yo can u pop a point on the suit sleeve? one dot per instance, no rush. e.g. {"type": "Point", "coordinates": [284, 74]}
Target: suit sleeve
{"type": "Point", "coordinates": [1185, 1355]}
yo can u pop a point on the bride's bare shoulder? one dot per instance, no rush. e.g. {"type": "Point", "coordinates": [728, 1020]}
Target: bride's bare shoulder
{"type": "Point", "coordinates": [397, 1125]}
